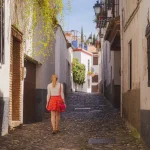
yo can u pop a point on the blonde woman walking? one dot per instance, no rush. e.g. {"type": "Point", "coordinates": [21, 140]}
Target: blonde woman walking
{"type": "Point", "coordinates": [55, 102]}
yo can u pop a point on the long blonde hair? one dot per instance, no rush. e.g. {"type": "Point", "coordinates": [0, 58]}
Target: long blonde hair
{"type": "Point", "coordinates": [54, 79]}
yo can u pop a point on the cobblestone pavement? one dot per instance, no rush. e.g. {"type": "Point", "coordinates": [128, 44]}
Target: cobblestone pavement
{"type": "Point", "coordinates": [96, 120]}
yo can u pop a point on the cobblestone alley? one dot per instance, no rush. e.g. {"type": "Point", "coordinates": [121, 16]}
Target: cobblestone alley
{"type": "Point", "coordinates": [90, 123]}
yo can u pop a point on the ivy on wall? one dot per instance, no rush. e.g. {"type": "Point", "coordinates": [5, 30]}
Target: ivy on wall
{"type": "Point", "coordinates": [47, 13]}
{"type": "Point", "coordinates": [78, 70]}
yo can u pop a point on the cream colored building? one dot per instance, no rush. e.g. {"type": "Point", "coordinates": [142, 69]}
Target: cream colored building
{"type": "Point", "coordinates": [135, 63]}
{"type": "Point", "coordinates": [95, 68]}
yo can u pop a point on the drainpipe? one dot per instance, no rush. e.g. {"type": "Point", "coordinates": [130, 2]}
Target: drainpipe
{"type": "Point", "coordinates": [122, 60]}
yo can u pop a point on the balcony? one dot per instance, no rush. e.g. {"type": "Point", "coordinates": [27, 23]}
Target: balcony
{"type": "Point", "coordinates": [105, 11]}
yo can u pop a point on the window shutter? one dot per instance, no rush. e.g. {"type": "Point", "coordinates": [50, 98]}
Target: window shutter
{"type": "Point", "coordinates": [95, 60]}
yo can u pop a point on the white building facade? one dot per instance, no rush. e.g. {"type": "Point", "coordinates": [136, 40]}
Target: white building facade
{"type": "Point", "coordinates": [85, 58]}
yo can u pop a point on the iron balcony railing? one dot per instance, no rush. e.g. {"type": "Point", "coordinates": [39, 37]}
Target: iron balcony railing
{"type": "Point", "coordinates": [109, 10]}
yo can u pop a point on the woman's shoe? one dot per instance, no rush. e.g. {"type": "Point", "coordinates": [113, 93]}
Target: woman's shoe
{"type": "Point", "coordinates": [57, 131]}
{"type": "Point", "coordinates": [54, 132]}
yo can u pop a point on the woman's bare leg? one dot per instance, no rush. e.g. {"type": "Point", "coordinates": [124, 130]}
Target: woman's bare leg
{"type": "Point", "coordinates": [53, 119]}
{"type": "Point", "coordinates": [57, 120]}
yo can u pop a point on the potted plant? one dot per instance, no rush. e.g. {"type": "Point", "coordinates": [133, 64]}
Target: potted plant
{"type": "Point", "coordinates": [90, 73]}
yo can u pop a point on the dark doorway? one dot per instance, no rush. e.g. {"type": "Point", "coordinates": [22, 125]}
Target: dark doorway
{"type": "Point", "coordinates": [29, 104]}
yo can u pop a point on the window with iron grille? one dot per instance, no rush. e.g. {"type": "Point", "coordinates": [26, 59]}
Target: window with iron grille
{"type": "Point", "coordinates": [1, 31]}
{"type": "Point", "coordinates": [115, 8]}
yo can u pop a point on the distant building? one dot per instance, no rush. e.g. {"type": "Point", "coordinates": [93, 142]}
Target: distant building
{"type": "Point", "coordinates": [85, 58]}
{"type": "Point", "coordinates": [95, 68]}
{"type": "Point", "coordinates": [75, 40]}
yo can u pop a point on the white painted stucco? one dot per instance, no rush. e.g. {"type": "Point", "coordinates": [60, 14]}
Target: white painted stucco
{"type": "Point", "coordinates": [5, 68]}
{"type": "Point", "coordinates": [111, 64]}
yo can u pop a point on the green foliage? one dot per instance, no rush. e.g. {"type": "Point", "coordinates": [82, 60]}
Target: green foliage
{"type": "Point", "coordinates": [90, 72]}
{"type": "Point", "coordinates": [45, 16]}
{"type": "Point", "coordinates": [78, 72]}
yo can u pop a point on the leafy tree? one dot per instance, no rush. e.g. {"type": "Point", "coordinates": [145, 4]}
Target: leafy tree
{"type": "Point", "coordinates": [78, 70]}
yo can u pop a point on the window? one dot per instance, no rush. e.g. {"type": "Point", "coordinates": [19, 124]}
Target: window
{"type": "Point", "coordinates": [115, 8]}
{"type": "Point", "coordinates": [88, 65]}
{"type": "Point", "coordinates": [106, 55]}
{"type": "Point", "coordinates": [89, 85]}
{"type": "Point", "coordinates": [95, 78]}
{"type": "Point", "coordinates": [148, 55]}
{"type": "Point", "coordinates": [95, 60]}
{"type": "Point", "coordinates": [1, 31]}
{"type": "Point", "coordinates": [130, 65]}
{"type": "Point", "coordinates": [109, 54]}
{"type": "Point", "coordinates": [111, 80]}
{"type": "Point", "coordinates": [148, 51]}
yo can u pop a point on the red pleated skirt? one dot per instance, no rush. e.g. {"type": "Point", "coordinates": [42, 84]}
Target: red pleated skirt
{"type": "Point", "coordinates": [55, 103]}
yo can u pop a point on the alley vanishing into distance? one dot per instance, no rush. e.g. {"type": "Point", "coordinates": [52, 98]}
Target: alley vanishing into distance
{"type": "Point", "coordinates": [90, 123]}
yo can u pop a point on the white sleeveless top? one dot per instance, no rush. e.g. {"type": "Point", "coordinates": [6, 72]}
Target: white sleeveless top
{"type": "Point", "coordinates": [54, 91]}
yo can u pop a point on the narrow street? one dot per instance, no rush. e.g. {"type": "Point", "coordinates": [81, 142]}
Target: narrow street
{"type": "Point", "coordinates": [88, 117]}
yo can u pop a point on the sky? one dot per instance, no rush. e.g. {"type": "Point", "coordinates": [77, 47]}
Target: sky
{"type": "Point", "coordinates": [81, 15]}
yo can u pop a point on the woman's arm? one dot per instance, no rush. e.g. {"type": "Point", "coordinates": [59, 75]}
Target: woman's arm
{"type": "Point", "coordinates": [48, 93]}
{"type": "Point", "coordinates": [62, 93]}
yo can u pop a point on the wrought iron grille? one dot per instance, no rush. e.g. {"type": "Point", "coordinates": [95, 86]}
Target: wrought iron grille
{"type": "Point", "coordinates": [2, 31]}
{"type": "Point", "coordinates": [115, 8]}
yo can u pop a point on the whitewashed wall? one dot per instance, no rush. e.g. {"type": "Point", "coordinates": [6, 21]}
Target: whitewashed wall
{"type": "Point", "coordinates": [83, 58]}
{"type": "Point", "coordinates": [4, 74]}
{"type": "Point", "coordinates": [61, 54]}
{"type": "Point", "coordinates": [5, 68]}
{"type": "Point", "coordinates": [58, 59]}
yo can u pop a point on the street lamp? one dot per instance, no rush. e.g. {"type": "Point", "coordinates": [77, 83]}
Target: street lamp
{"type": "Point", "coordinates": [97, 8]}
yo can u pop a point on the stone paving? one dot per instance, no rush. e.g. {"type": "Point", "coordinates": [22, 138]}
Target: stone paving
{"type": "Point", "coordinates": [88, 116]}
